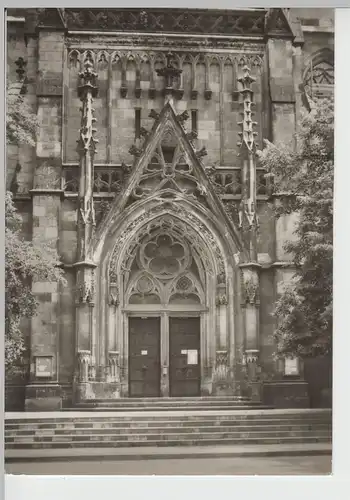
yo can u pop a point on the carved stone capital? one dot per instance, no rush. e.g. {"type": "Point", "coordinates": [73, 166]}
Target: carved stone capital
{"type": "Point", "coordinates": [84, 363]}
{"type": "Point", "coordinates": [251, 356]}
{"type": "Point", "coordinates": [222, 300]}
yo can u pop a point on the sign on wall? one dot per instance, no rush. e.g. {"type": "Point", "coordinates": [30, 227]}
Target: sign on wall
{"type": "Point", "coordinates": [43, 366]}
{"type": "Point", "coordinates": [291, 366]}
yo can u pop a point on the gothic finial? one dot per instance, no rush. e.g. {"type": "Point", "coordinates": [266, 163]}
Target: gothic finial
{"type": "Point", "coordinates": [170, 73]}
{"type": "Point", "coordinates": [247, 135]}
{"type": "Point", "coordinates": [88, 81]}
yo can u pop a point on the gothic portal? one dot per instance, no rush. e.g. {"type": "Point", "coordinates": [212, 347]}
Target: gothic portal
{"type": "Point", "coordinates": [145, 179]}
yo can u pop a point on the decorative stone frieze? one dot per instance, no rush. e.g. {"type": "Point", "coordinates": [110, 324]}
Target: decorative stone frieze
{"type": "Point", "coordinates": [199, 21]}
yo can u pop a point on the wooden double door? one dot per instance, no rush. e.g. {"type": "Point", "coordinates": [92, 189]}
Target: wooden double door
{"type": "Point", "coordinates": [145, 363]}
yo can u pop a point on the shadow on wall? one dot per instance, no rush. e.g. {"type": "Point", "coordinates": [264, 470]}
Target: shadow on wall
{"type": "Point", "coordinates": [318, 374]}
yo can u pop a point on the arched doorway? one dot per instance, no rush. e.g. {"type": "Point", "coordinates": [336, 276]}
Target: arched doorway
{"type": "Point", "coordinates": [167, 322]}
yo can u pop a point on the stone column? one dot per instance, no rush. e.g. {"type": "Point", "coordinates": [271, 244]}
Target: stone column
{"type": "Point", "coordinates": [251, 305]}
{"type": "Point", "coordinates": [112, 317]}
{"type": "Point", "coordinates": [114, 372]}
{"type": "Point", "coordinates": [164, 332]}
{"type": "Point", "coordinates": [222, 374]}
{"type": "Point", "coordinates": [85, 274]}
{"type": "Point", "coordinates": [43, 391]}
{"type": "Point", "coordinates": [249, 225]}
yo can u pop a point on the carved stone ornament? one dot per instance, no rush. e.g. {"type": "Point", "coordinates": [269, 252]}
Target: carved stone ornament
{"type": "Point", "coordinates": [251, 356]}
{"type": "Point", "coordinates": [113, 366]}
{"type": "Point", "coordinates": [46, 177]}
{"type": "Point", "coordinates": [135, 151]}
{"type": "Point", "coordinates": [250, 287]}
{"type": "Point", "coordinates": [85, 290]}
{"type": "Point", "coordinates": [221, 300]}
{"type": "Point", "coordinates": [184, 221]}
{"type": "Point", "coordinates": [153, 114]}
{"type": "Point", "coordinates": [184, 116]}
{"type": "Point", "coordinates": [201, 152]}
{"type": "Point", "coordinates": [84, 362]}
{"type": "Point", "coordinates": [114, 296]}
{"type": "Point", "coordinates": [247, 135]}
{"type": "Point", "coordinates": [151, 20]}
{"type": "Point", "coordinates": [87, 90]}
{"type": "Point", "coordinates": [221, 370]}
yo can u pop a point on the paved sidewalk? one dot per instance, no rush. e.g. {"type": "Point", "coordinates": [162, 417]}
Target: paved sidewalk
{"type": "Point", "coordinates": [149, 453]}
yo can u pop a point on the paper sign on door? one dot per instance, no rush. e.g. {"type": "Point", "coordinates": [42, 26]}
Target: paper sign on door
{"type": "Point", "coordinates": [144, 353]}
{"type": "Point", "coordinates": [183, 351]}
{"type": "Point", "coordinates": [192, 357]}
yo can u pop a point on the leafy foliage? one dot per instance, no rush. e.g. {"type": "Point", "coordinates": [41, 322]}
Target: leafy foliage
{"type": "Point", "coordinates": [21, 122]}
{"type": "Point", "coordinates": [24, 262]}
{"type": "Point", "coordinates": [303, 183]}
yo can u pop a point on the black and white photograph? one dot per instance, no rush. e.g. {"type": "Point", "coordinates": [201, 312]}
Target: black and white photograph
{"type": "Point", "coordinates": [169, 241]}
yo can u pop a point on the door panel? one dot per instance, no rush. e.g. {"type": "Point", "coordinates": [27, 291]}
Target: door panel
{"type": "Point", "coordinates": [185, 370]}
{"type": "Point", "coordinates": [144, 357]}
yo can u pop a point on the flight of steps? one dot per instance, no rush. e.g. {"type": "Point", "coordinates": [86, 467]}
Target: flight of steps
{"type": "Point", "coordinates": [217, 403]}
{"type": "Point", "coordinates": [171, 428]}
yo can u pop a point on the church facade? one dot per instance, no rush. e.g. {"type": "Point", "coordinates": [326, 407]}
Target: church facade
{"type": "Point", "coordinates": [146, 180]}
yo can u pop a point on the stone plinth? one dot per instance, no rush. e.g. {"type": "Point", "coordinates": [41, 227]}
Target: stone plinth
{"type": "Point", "coordinates": [43, 397]}
{"type": "Point", "coordinates": [286, 394]}
{"type": "Point", "coordinates": [96, 390]}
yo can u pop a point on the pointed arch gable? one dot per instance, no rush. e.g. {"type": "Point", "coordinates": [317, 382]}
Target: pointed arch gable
{"type": "Point", "coordinates": [192, 171]}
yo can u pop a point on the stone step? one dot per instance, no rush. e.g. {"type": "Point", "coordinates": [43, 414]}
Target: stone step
{"type": "Point", "coordinates": [212, 416]}
{"type": "Point", "coordinates": [169, 404]}
{"type": "Point", "coordinates": [166, 437]}
{"type": "Point", "coordinates": [194, 441]}
{"type": "Point", "coordinates": [189, 407]}
{"type": "Point", "coordinates": [166, 429]}
{"type": "Point", "coordinates": [175, 399]}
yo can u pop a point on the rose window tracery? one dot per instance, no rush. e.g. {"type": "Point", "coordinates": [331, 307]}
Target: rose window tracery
{"type": "Point", "coordinates": [164, 257]}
